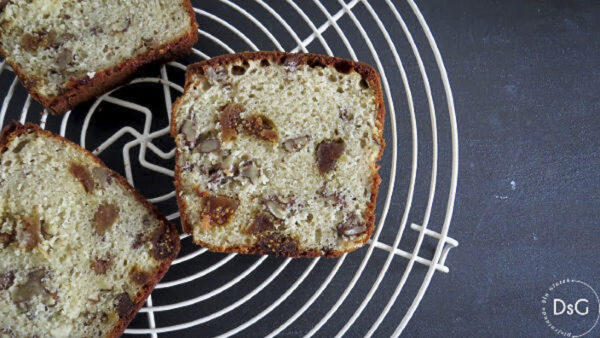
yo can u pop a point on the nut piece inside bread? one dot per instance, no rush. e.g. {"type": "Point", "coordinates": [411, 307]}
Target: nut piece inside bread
{"type": "Point", "coordinates": [80, 250]}
{"type": "Point", "coordinates": [67, 51]}
{"type": "Point", "coordinates": [277, 153]}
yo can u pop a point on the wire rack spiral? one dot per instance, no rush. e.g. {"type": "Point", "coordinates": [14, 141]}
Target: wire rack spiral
{"type": "Point", "coordinates": [375, 290]}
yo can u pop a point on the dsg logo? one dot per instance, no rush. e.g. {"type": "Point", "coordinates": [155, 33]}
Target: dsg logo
{"type": "Point", "coordinates": [570, 308]}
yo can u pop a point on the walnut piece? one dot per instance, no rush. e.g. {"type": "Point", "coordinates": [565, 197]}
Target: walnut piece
{"type": "Point", "coordinates": [276, 209]}
{"type": "Point", "coordinates": [32, 288]}
{"type": "Point", "coordinates": [345, 114]}
{"type": "Point", "coordinates": [91, 318]}
{"type": "Point", "coordinates": [218, 176]}
{"type": "Point", "coordinates": [102, 175]}
{"type": "Point", "coordinates": [351, 227]}
{"type": "Point", "coordinates": [215, 75]}
{"type": "Point", "coordinates": [6, 280]}
{"type": "Point", "coordinates": [138, 240]}
{"type": "Point", "coordinates": [228, 166]}
{"type": "Point", "coordinates": [100, 266]}
{"type": "Point", "coordinates": [249, 170]}
{"type": "Point", "coordinates": [83, 175]}
{"type": "Point", "coordinates": [220, 209]}
{"type": "Point", "coordinates": [229, 120]}
{"type": "Point", "coordinates": [295, 144]}
{"type": "Point", "coordinates": [6, 239]}
{"type": "Point", "coordinates": [188, 131]}
{"type": "Point", "coordinates": [29, 235]}
{"type": "Point", "coordinates": [63, 59]}
{"type": "Point", "coordinates": [104, 217]}
{"type": "Point", "coordinates": [208, 144]}
{"type": "Point", "coordinates": [261, 127]}
{"type": "Point", "coordinates": [96, 30]}
{"type": "Point", "coordinates": [328, 152]}
{"type": "Point", "coordinates": [336, 198]}
{"type": "Point", "coordinates": [121, 26]}
{"type": "Point", "coordinates": [56, 42]}
{"type": "Point", "coordinates": [6, 333]}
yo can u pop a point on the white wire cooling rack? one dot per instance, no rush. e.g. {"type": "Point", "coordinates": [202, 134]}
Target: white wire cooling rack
{"type": "Point", "coordinates": [292, 292]}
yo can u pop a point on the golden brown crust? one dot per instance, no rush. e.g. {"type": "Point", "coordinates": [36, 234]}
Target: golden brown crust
{"type": "Point", "coordinates": [15, 129]}
{"type": "Point", "coordinates": [84, 88]}
{"type": "Point", "coordinates": [313, 60]}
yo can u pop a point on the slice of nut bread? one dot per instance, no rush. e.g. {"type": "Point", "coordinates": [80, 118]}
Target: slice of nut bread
{"type": "Point", "coordinates": [68, 51]}
{"type": "Point", "coordinates": [277, 153]}
{"type": "Point", "coordinates": [80, 249]}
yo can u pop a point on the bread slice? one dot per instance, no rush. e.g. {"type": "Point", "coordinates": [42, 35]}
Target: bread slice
{"type": "Point", "coordinates": [68, 51]}
{"type": "Point", "coordinates": [277, 153]}
{"type": "Point", "coordinates": [80, 249]}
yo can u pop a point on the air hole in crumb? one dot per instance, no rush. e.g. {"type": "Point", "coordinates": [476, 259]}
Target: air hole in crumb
{"type": "Point", "coordinates": [363, 143]}
{"type": "Point", "coordinates": [332, 78]}
{"type": "Point", "coordinates": [309, 217]}
{"type": "Point", "coordinates": [340, 90]}
{"type": "Point", "coordinates": [281, 86]}
{"type": "Point", "coordinates": [238, 70]}
{"type": "Point", "coordinates": [316, 62]}
{"type": "Point", "coordinates": [265, 63]}
{"type": "Point", "coordinates": [343, 67]}
{"type": "Point", "coordinates": [363, 84]}
{"type": "Point", "coordinates": [315, 99]}
{"type": "Point", "coordinates": [206, 85]}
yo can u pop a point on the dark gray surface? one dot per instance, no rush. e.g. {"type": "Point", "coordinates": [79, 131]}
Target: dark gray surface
{"type": "Point", "coordinates": [525, 76]}
{"type": "Point", "coordinates": [525, 81]}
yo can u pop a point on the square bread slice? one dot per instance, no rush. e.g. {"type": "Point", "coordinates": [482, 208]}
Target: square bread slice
{"type": "Point", "coordinates": [80, 249]}
{"type": "Point", "coordinates": [68, 51]}
{"type": "Point", "coordinates": [277, 153]}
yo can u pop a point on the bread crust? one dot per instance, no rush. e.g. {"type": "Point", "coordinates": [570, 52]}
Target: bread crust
{"type": "Point", "coordinates": [84, 88]}
{"type": "Point", "coordinates": [16, 129]}
{"type": "Point", "coordinates": [368, 73]}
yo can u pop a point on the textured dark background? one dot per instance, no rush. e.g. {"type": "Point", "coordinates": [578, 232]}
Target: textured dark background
{"type": "Point", "coordinates": [525, 77]}
{"type": "Point", "coordinates": [526, 81]}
